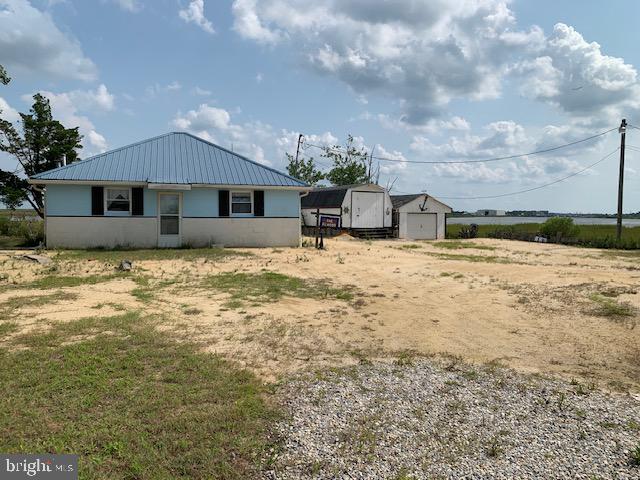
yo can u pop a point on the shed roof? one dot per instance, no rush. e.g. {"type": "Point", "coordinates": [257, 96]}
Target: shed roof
{"type": "Point", "coordinates": [328, 197]}
{"type": "Point", "coordinates": [400, 200]}
{"type": "Point", "coordinates": [173, 158]}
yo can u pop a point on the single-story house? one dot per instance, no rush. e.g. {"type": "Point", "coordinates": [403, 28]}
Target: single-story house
{"type": "Point", "coordinates": [490, 213]}
{"type": "Point", "coordinates": [350, 207]}
{"type": "Point", "coordinates": [420, 216]}
{"type": "Point", "coordinates": [170, 191]}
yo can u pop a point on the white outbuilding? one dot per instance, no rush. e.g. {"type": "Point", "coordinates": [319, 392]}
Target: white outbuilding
{"type": "Point", "coordinates": [365, 208]}
{"type": "Point", "coordinates": [420, 216]}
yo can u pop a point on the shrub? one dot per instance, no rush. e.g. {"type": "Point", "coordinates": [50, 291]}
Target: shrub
{"type": "Point", "coordinates": [470, 231]}
{"type": "Point", "coordinates": [30, 231]}
{"type": "Point", "coordinates": [558, 228]}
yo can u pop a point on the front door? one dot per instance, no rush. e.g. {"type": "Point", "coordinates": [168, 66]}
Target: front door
{"type": "Point", "coordinates": [169, 220]}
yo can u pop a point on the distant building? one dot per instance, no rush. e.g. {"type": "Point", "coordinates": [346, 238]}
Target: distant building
{"type": "Point", "coordinates": [490, 213]}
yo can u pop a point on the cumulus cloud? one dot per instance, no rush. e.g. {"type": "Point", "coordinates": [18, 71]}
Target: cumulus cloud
{"type": "Point", "coordinates": [30, 41]}
{"type": "Point", "coordinates": [71, 109]}
{"type": "Point", "coordinates": [194, 13]}
{"type": "Point", "coordinates": [423, 52]}
{"type": "Point", "coordinates": [215, 124]}
{"type": "Point", "coordinates": [576, 77]}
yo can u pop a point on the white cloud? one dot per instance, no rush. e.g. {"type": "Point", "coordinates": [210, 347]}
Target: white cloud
{"type": "Point", "coordinates": [194, 13]}
{"type": "Point", "coordinates": [201, 91]}
{"type": "Point", "coordinates": [7, 112]}
{"type": "Point", "coordinates": [30, 41]}
{"type": "Point", "coordinates": [128, 5]}
{"type": "Point", "coordinates": [259, 77]}
{"type": "Point", "coordinates": [215, 124]}
{"type": "Point", "coordinates": [156, 89]}
{"type": "Point", "coordinates": [423, 53]}
{"type": "Point", "coordinates": [70, 108]}
{"type": "Point", "coordinates": [247, 23]}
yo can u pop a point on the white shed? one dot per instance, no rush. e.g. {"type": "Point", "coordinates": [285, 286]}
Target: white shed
{"type": "Point", "coordinates": [351, 207]}
{"type": "Point", "coordinates": [420, 217]}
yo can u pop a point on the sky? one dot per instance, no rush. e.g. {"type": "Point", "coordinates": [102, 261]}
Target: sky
{"type": "Point", "coordinates": [415, 80]}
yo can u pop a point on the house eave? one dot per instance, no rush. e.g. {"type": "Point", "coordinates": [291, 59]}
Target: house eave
{"type": "Point", "coordinates": [168, 186]}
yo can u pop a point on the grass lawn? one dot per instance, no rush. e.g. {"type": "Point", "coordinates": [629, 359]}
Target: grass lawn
{"type": "Point", "coordinates": [131, 403]}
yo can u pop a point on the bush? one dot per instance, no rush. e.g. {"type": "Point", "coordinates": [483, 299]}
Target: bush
{"type": "Point", "coordinates": [31, 232]}
{"type": "Point", "coordinates": [470, 231]}
{"type": "Point", "coordinates": [559, 228]}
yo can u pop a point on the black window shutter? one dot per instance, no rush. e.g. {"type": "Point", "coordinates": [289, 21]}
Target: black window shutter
{"type": "Point", "coordinates": [137, 201]}
{"type": "Point", "coordinates": [258, 203]}
{"type": "Point", "coordinates": [97, 201]}
{"type": "Point", "coordinates": [223, 203]}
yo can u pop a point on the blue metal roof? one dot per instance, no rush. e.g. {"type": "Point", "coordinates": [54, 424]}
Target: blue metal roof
{"type": "Point", "coordinates": [173, 158]}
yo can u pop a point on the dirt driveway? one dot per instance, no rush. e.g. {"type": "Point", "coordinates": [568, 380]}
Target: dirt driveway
{"type": "Point", "coordinates": [533, 307]}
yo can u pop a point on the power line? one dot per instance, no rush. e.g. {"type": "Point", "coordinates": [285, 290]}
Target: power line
{"type": "Point", "coordinates": [485, 160]}
{"type": "Point", "coordinates": [533, 188]}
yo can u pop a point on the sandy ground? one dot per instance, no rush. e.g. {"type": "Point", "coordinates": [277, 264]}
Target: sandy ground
{"type": "Point", "coordinates": [527, 306]}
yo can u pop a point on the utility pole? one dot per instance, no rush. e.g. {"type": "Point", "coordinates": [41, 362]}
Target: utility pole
{"type": "Point", "coordinates": [623, 134]}
{"type": "Point", "coordinates": [300, 138]}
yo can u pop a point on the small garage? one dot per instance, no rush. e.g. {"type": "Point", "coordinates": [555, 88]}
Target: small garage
{"type": "Point", "coordinates": [359, 208]}
{"type": "Point", "coordinates": [419, 217]}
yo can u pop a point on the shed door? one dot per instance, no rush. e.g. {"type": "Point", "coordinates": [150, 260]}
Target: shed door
{"type": "Point", "coordinates": [422, 226]}
{"type": "Point", "coordinates": [367, 209]}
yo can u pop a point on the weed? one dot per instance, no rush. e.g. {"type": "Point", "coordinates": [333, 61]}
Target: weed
{"type": "Point", "coordinates": [494, 447]}
{"type": "Point", "coordinates": [265, 287]}
{"type": "Point", "coordinates": [458, 245]}
{"type": "Point", "coordinates": [635, 456]}
{"type": "Point", "coordinates": [610, 308]}
{"type": "Point", "coordinates": [192, 311]}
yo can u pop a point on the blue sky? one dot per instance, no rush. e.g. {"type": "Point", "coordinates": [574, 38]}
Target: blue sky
{"type": "Point", "coordinates": [436, 80]}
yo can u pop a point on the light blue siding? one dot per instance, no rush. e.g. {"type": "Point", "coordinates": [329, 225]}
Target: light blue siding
{"type": "Point", "coordinates": [281, 203]}
{"type": "Point", "coordinates": [69, 200]}
{"type": "Point", "coordinates": [75, 200]}
{"type": "Point", "coordinates": [200, 202]}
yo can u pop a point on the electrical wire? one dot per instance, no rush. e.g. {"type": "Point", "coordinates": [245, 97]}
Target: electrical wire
{"type": "Point", "coordinates": [485, 160]}
{"type": "Point", "coordinates": [533, 188]}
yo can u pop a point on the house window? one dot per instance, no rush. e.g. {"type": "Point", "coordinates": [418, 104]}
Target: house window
{"type": "Point", "coordinates": [241, 202]}
{"type": "Point", "coordinates": [118, 201]}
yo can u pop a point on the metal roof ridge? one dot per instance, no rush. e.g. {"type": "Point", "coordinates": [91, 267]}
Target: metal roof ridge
{"type": "Point", "coordinates": [242, 157]}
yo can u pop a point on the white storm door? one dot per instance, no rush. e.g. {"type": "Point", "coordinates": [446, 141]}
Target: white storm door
{"type": "Point", "coordinates": [367, 210]}
{"type": "Point", "coordinates": [169, 220]}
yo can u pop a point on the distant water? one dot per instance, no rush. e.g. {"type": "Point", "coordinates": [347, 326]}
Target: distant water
{"type": "Point", "coordinates": [629, 222]}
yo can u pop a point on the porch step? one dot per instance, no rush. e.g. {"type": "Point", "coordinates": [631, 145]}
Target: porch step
{"type": "Point", "coordinates": [372, 233]}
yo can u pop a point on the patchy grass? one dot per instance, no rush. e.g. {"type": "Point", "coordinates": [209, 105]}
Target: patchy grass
{"type": "Point", "coordinates": [6, 328]}
{"type": "Point", "coordinates": [471, 258]}
{"type": "Point", "coordinates": [410, 246]}
{"type": "Point", "coordinates": [9, 306]}
{"type": "Point", "coordinates": [635, 456]}
{"type": "Point", "coordinates": [131, 403]}
{"type": "Point", "coordinates": [610, 308]}
{"type": "Point", "coordinates": [58, 281]}
{"type": "Point", "coordinates": [458, 245]}
{"type": "Point", "coordinates": [271, 286]}
{"type": "Point", "coordinates": [116, 255]}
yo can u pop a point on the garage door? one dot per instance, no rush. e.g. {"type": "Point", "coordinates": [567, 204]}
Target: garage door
{"type": "Point", "coordinates": [422, 226]}
{"type": "Point", "coordinates": [367, 209]}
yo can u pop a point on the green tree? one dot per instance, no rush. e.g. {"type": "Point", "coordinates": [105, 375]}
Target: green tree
{"type": "Point", "coordinates": [304, 170]}
{"type": "Point", "coordinates": [349, 165]}
{"type": "Point", "coordinates": [43, 142]}
{"type": "Point", "coordinates": [4, 77]}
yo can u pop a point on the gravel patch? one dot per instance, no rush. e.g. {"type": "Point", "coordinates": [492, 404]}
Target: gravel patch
{"type": "Point", "coordinates": [445, 419]}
